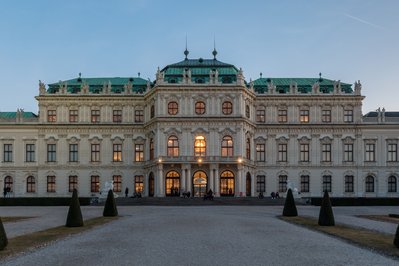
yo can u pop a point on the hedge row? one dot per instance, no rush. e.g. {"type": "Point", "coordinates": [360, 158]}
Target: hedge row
{"type": "Point", "coordinates": [41, 201]}
{"type": "Point", "coordinates": [358, 201]}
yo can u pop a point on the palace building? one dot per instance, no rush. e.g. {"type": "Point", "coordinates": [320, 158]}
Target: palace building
{"type": "Point", "coordinates": [198, 126]}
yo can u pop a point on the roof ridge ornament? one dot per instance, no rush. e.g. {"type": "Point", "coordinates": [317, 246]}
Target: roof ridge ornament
{"type": "Point", "coordinates": [214, 52]}
{"type": "Point", "coordinates": [186, 52]}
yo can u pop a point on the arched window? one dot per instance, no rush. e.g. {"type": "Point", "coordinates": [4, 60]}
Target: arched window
{"type": "Point", "coordinates": [369, 184]}
{"type": "Point", "coordinates": [227, 108]}
{"type": "Point", "coordinates": [8, 183]}
{"type": "Point", "coordinates": [227, 146]}
{"type": "Point", "coordinates": [173, 108]}
{"type": "Point", "coordinates": [392, 185]}
{"type": "Point", "coordinates": [227, 184]}
{"type": "Point", "coordinates": [200, 108]}
{"type": "Point", "coordinates": [172, 184]}
{"type": "Point", "coordinates": [151, 149]}
{"type": "Point", "coordinates": [282, 183]}
{"type": "Point", "coordinates": [199, 146]}
{"type": "Point", "coordinates": [173, 146]}
{"type": "Point", "coordinates": [248, 149]}
{"type": "Point", "coordinates": [30, 184]}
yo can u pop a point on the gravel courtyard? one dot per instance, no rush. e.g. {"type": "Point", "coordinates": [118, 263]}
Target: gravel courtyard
{"type": "Point", "coordinates": [203, 235]}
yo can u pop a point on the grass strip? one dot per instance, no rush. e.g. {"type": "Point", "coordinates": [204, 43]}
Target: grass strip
{"type": "Point", "coordinates": [41, 238]}
{"type": "Point", "coordinates": [380, 218]}
{"type": "Point", "coordinates": [12, 219]}
{"type": "Point", "coordinates": [365, 238]}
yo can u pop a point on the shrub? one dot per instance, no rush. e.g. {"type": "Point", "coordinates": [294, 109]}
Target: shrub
{"type": "Point", "coordinates": [3, 236]}
{"type": "Point", "coordinates": [326, 215]}
{"type": "Point", "coordinates": [74, 218]}
{"type": "Point", "coordinates": [289, 205]}
{"type": "Point", "coordinates": [110, 205]}
{"type": "Point", "coordinates": [396, 240]}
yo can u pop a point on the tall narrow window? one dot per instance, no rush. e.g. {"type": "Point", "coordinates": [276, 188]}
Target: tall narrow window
{"type": "Point", "coordinates": [348, 116]}
{"type": "Point", "coordinates": [227, 146]}
{"type": "Point", "coordinates": [304, 116]}
{"type": "Point", "coordinates": [173, 108]}
{"type": "Point", "coordinates": [139, 152]}
{"type": "Point", "coordinates": [282, 183]}
{"type": "Point", "coordinates": [73, 116]}
{"type": "Point", "coordinates": [95, 116]}
{"type": "Point", "coordinates": [7, 153]}
{"type": "Point", "coordinates": [326, 116]}
{"type": "Point", "coordinates": [139, 184]}
{"type": "Point", "coordinates": [349, 183]}
{"type": "Point", "coordinates": [152, 111]}
{"type": "Point", "coordinates": [173, 146]}
{"type": "Point", "coordinates": [260, 152]}
{"type": "Point", "coordinates": [199, 146]}
{"type": "Point", "coordinates": [327, 183]}
{"type": "Point", "coordinates": [326, 152]}
{"type": "Point", "coordinates": [247, 111]}
{"type": "Point", "coordinates": [51, 153]}
{"type": "Point", "coordinates": [282, 116]}
{"type": "Point", "coordinates": [30, 184]}
{"type": "Point", "coordinates": [260, 183]}
{"type": "Point", "coordinates": [95, 152]}
{"type": "Point", "coordinates": [227, 108]}
{"type": "Point", "coordinates": [139, 116]}
{"type": "Point", "coordinates": [305, 183]}
{"type": "Point", "coordinates": [50, 183]}
{"type": "Point", "coordinates": [94, 183]}
{"type": "Point", "coordinates": [282, 152]}
{"type": "Point", "coordinates": [51, 116]}
{"type": "Point", "coordinates": [117, 183]}
{"type": "Point", "coordinates": [260, 115]}
{"type": "Point", "coordinates": [248, 149]}
{"type": "Point", "coordinates": [73, 152]}
{"type": "Point", "coordinates": [348, 152]}
{"type": "Point", "coordinates": [151, 149]}
{"type": "Point", "coordinates": [117, 116]}
{"type": "Point", "coordinates": [369, 184]}
{"type": "Point", "coordinates": [370, 152]}
{"type": "Point", "coordinates": [73, 183]}
{"type": "Point", "coordinates": [304, 152]}
{"type": "Point", "coordinates": [392, 184]}
{"type": "Point", "coordinates": [392, 152]}
{"type": "Point", "coordinates": [117, 153]}
{"type": "Point", "coordinates": [200, 108]}
{"type": "Point", "coordinates": [30, 153]}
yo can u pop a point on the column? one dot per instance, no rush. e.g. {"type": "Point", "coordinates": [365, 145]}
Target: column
{"type": "Point", "coordinates": [189, 179]}
{"type": "Point", "coordinates": [183, 180]}
{"type": "Point", "coordinates": [211, 180]}
{"type": "Point", "coordinates": [160, 183]}
{"type": "Point", "coordinates": [217, 181]}
{"type": "Point", "coordinates": [239, 191]}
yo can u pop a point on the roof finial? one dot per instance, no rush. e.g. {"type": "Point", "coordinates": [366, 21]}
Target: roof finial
{"type": "Point", "coordinates": [214, 48]}
{"type": "Point", "coordinates": [138, 74]}
{"type": "Point", "coordinates": [260, 74]}
{"type": "Point", "coordinates": [320, 75]}
{"type": "Point", "coordinates": [186, 51]}
{"type": "Point", "coordinates": [80, 75]}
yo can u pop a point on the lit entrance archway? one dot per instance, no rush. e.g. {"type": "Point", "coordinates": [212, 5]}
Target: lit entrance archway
{"type": "Point", "coordinates": [200, 181]}
{"type": "Point", "coordinates": [172, 184]}
{"type": "Point", "coordinates": [227, 184]}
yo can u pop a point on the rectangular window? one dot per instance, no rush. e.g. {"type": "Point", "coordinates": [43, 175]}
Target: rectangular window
{"type": "Point", "coordinates": [117, 116]}
{"type": "Point", "coordinates": [152, 149]}
{"type": "Point", "coordinates": [348, 116]}
{"type": "Point", "coordinates": [260, 152]}
{"type": "Point", "coordinates": [7, 152]}
{"type": "Point", "coordinates": [260, 183]}
{"type": "Point", "coordinates": [392, 152]}
{"type": "Point", "coordinates": [282, 152]}
{"type": "Point", "coordinates": [117, 183]}
{"type": "Point", "coordinates": [282, 116]}
{"type": "Point", "coordinates": [304, 153]}
{"type": "Point", "coordinates": [73, 116]}
{"type": "Point", "coordinates": [73, 152]}
{"type": "Point", "coordinates": [30, 153]}
{"type": "Point", "coordinates": [282, 183]}
{"type": "Point", "coordinates": [326, 153]}
{"type": "Point", "coordinates": [326, 116]}
{"type": "Point", "coordinates": [139, 116]}
{"type": "Point", "coordinates": [95, 152]}
{"type": "Point", "coordinates": [51, 153]}
{"type": "Point", "coordinates": [50, 183]}
{"type": "Point", "coordinates": [370, 152]}
{"type": "Point", "coordinates": [95, 116]}
{"type": "Point", "coordinates": [73, 183]}
{"type": "Point", "coordinates": [51, 116]}
{"type": "Point", "coordinates": [348, 152]}
{"type": "Point", "coordinates": [260, 116]}
{"type": "Point", "coordinates": [117, 153]}
{"type": "Point", "coordinates": [327, 183]}
{"type": "Point", "coordinates": [139, 152]}
{"type": "Point", "coordinates": [305, 183]}
{"type": "Point", "coordinates": [349, 183]}
{"type": "Point", "coordinates": [95, 183]}
{"type": "Point", "coordinates": [304, 116]}
{"type": "Point", "coordinates": [138, 184]}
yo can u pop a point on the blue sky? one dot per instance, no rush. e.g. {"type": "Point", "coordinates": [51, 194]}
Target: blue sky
{"type": "Point", "coordinates": [55, 40]}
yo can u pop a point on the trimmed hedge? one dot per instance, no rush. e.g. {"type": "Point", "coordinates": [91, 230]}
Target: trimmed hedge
{"type": "Point", "coordinates": [396, 239]}
{"type": "Point", "coordinates": [361, 201]}
{"type": "Point", "coordinates": [326, 215]}
{"type": "Point", "coordinates": [110, 205]}
{"type": "Point", "coordinates": [74, 218]}
{"type": "Point", "coordinates": [289, 205]}
{"type": "Point", "coordinates": [55, 201]}
{"type": "Point", "coordinates": [3, 236]}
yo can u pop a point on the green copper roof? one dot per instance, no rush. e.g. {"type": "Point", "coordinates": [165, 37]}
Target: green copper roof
{"type": "Point", "coordinates": [13, 115]}
{"type": "Point", "coordinates": [210, 63]}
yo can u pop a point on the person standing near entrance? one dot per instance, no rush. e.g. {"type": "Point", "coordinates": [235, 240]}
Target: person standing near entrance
{"type": "Point", "coordinates": [126, 192]}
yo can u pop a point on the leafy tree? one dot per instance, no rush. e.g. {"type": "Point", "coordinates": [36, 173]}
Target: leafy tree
{"type": "Point", "coordinates": [110, 205]}
{"type": "Point", "coordinates": [326, 215]}
{"type": "Point", "coordinates": [289, 205]}
{"type": "Point", "coordinates": [74, 218]}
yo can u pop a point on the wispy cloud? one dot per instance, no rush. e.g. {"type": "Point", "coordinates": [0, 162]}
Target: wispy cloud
{"type": "Point", "coordinates": [364, 21]}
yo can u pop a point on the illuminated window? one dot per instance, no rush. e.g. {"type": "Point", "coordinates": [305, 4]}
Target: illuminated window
{"type": "Point", "coordinates": [173, 146]}
{"type": "Point", "coordinates": [139, 152]}
{"type": "Point", "coordinates": [117, 116]}
{"type": "Point", "coordinates": [30, 184]}
{"type": "Point", "coordinates": [139, 184]}
{"type": "Point", "coordinates": [304, 116]}
{"type": "Point", "coordinates": [73, 182]}
{"type": "Point", "coordinates": [260, 116]}
{"type": "Point", "coordinates": [95, 152]}
{"type": "Point", "coordinates": [50, 183]}
{"type": "Point", "coordinates": [117, 153]}
{"type": "Point", "coordinates": [349, 183]}
{"type": "Point", "coordinates": [95, 183]}
{"type": "Point", "coordinates": [305, 183]}
{"type": "Point", "coordinates": [227, 146]}
{"type": "Point", "coordinates": [51, 116]}
{"type": "Point", "coordinates": [73, 115]}
{"type": "Point", "coordinates": [172, 183]}
{"type": "Point", "coordinates": [326, 116]}
{"type": "Point", "coordinates": [95, 116]}
{"type": "Point", "coordinates": [282, 183]}
{"type": "Point", "coordinates": [117, 183]}
{"type": "Point", "coordinates": [173, 108]}
{"type": "Point", "coordinates": [139, 116]}
{"type": "Point", "coordinates": [227, 108]}
{"type": "Point", "coordinates": [282, 116]}
{"type": "Point", "coordinates": [200, 108]}
{"type": "Point", "coordinates": [227, 184]}
{"type": "Point", "coordinates": [199, 146]}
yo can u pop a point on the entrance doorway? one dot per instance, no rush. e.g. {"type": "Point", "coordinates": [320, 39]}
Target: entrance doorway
{"type": "Point", "coordinates": [200, 182]}
{"type": "Point", "coordinates": [227, 184]}
{"type": "Point", "coordinates": [172, 184]}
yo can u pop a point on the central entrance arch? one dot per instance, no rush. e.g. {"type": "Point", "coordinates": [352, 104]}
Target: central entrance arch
{"type": "Point", "coordinates": [200, 183]}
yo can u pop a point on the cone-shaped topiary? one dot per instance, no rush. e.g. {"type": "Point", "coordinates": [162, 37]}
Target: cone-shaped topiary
{"type": "Point", "coordinates": [396, 240]}
{"type": "Point", "coordinates": [326, 215]}
{"type": "Point", "coordinates": [289, 205]}
{"type": "Point", "coordinates": [74, 218]}
{"type": "Point", "coordinates": [3, 236]}
{"type": "Point", "coordinates": [110, 205]}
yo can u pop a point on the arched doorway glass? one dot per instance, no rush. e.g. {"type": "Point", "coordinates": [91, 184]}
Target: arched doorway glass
{"type": "Point", "coordinates": [200, 182]}
{"type": "Point", "coordinates": [227, 184]}
{"type": "Point", "coordinates": [248, 185]}
{"type": "Point", "coordinates": [173, 184]}
{"type": "Point", "coordinates": [151, 187]}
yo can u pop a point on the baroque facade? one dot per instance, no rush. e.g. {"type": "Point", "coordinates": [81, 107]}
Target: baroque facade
{"type": "Point", "coordinates": [198, 126]}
